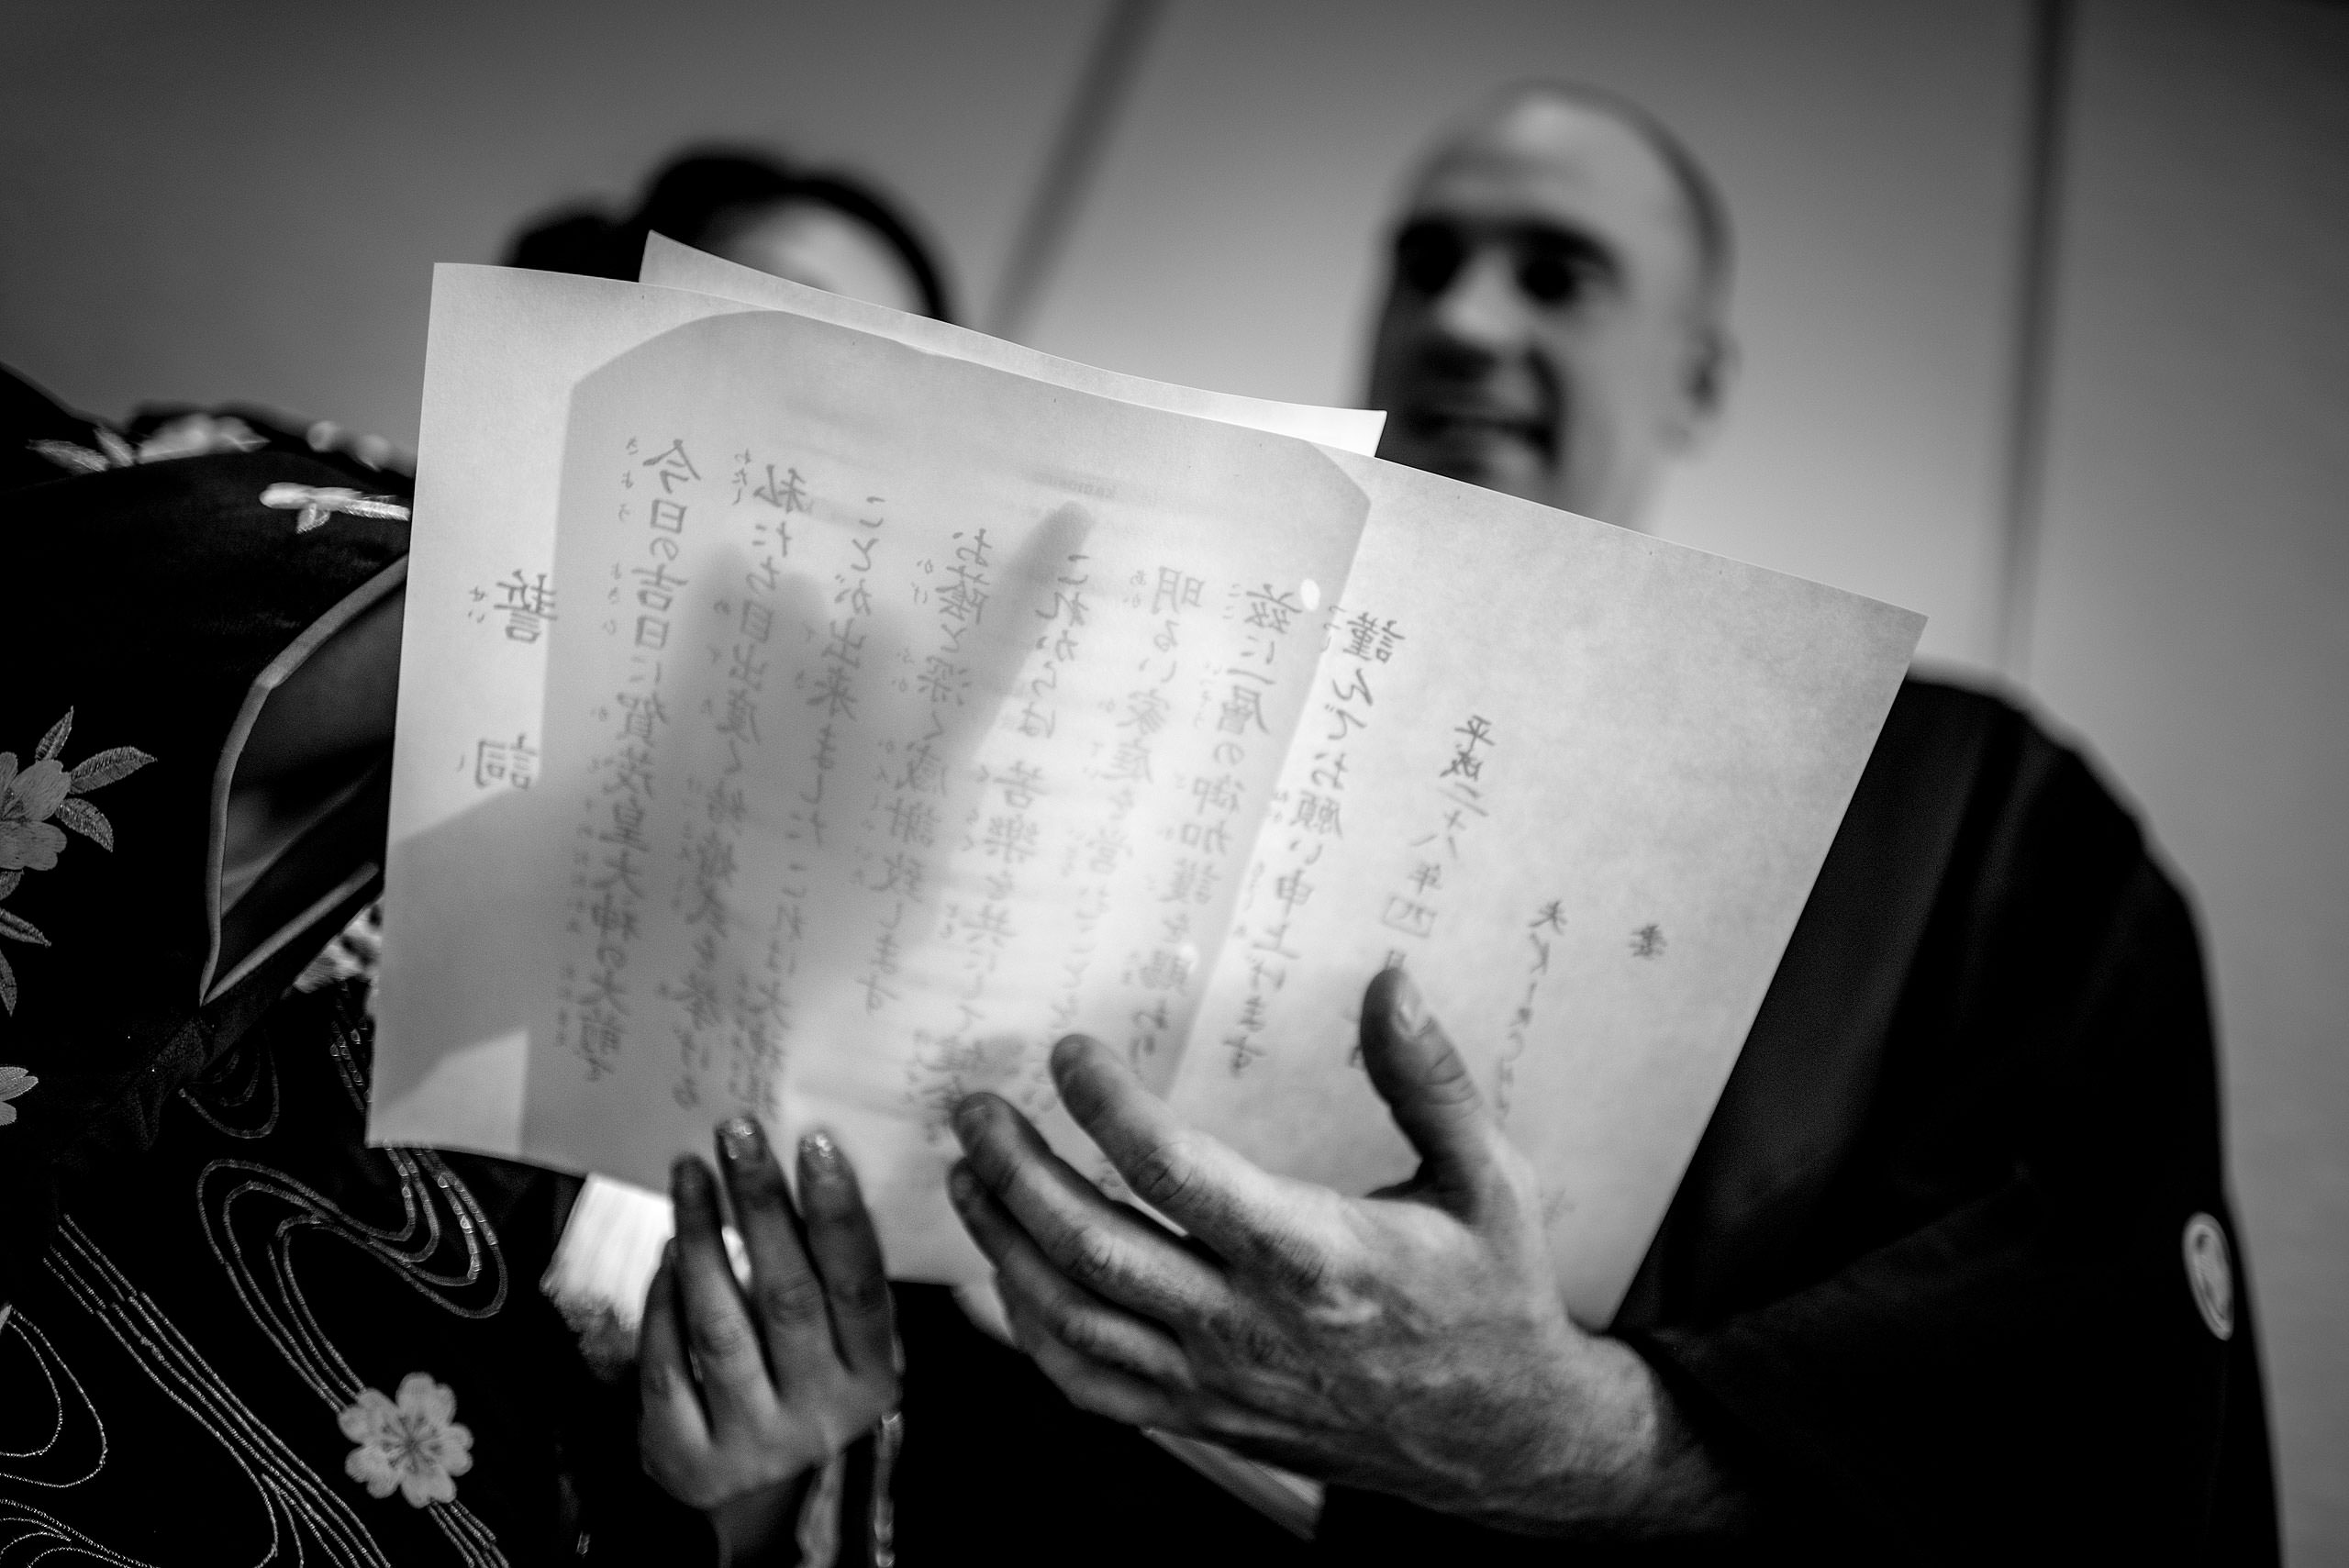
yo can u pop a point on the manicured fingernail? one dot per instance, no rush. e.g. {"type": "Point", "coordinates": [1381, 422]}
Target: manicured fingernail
{"type": "Point", "coordinates": [967, 1115]}
{"type": "Point", "coordinates": [959, 1184]}
{"type": "Point", "coordinates": [1410, 1013]}
{"type": "Point", "coordinates": [821, 1156]}
{"type": "Point", "coordinates": [685, 1177]}
{"type": "Point", "coordinates": [740, 1139]}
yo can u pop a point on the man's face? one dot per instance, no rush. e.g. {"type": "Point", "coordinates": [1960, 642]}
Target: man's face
{"type": "Point", "coordinates": [1546, 331]}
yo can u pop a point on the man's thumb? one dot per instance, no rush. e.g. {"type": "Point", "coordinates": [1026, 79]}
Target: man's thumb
{"type": "Point", "coordinates": [1427, 1086]}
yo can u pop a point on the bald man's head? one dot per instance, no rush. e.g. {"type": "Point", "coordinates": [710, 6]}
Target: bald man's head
{"type": "Point", "coordinates": [1553, 325]}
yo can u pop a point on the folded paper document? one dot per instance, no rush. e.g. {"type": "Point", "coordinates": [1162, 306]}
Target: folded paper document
{"type": "Point", "coordinates": [811, 712]}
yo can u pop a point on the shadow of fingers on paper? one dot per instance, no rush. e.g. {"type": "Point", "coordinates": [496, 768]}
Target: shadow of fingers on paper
{"type": "Point", "coordinates": [429, 948]}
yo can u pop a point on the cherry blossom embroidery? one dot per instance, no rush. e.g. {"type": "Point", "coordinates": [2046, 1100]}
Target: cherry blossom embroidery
{"type": "Point", "coordinates": [112, 452]}
{"type": "Point", "coordinates": [415, 1445]}
{"type": "Point", "coordinates": [326, 436]}
{"type": "Point", "coordinates": [190, 434]}
{"type": "Point", "coordinates": [14, 1081]}
{"type": "Point", "coordinates": [318, 503]}
{"type": "Point", "coordinates": [30, 840]}
{"type": "Point", "coordinates": [199, 435]}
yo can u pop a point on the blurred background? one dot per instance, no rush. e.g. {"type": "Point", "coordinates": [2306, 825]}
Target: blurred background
{"type": "Point", "coordinates": [2039, 305]}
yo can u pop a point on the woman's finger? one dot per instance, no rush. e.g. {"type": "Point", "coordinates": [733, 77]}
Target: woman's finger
{"type": "Point", "coordinates": [673, 1433]}
{"type": "Point", "coordinates": [717, 1326]}
{"type": "Point", "coordinates": [846, 1252]}
{"type": "Point", "coordinates": [787, 1297]}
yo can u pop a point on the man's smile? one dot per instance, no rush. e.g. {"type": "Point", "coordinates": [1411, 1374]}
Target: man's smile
{"type": "Point", "coordinates": [1471, 428]}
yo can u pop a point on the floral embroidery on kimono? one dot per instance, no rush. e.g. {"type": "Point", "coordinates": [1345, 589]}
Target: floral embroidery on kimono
{"type": "Point", "coordinates": [14, 1081]}
{"type": "Point", "coordinates": [317, 503]}
{"type": "Point", "coordinates": [415, 1445]}
{"type": "Point", "coordinates": [30, 840]}
{"type": "Point", "coordinates": [190, 434]}
{"type": "Point", "coordinates": [356, 953]}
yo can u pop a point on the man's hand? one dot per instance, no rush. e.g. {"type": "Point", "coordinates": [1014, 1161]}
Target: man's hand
{"type": "Point", "coordinates": [1411, 1342]}
{"type": "Point", "coordinates": [778, 1383]}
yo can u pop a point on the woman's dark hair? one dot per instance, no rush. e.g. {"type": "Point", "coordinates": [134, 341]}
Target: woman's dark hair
{"type": "Point", "coordinates": [687, 200]}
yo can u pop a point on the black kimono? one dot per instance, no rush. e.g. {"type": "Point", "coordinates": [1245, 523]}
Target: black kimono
{"type": "Point", "coordinates": [229, 1331]}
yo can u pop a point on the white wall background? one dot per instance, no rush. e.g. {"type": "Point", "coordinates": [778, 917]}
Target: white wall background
{"type": "Point", "coordinates": [2191, 610]}
{"type": "Point", "coordinates": [218, 201]}
{"type": "Point", "coordinates": [243, 198]}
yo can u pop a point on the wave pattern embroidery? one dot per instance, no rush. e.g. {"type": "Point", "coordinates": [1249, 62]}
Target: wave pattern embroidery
{"type": "Point", "coordinates": [242, 1100]}
{"type": "Point", "coordinates": [443, 1247]}
{"type": "Point", "coordinates": [68, 1446]}
{"type": "Point", "coordinates": [303, 1512]}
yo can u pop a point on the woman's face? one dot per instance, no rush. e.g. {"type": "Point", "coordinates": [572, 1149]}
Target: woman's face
{"type": "Point", "coordinates": [820, 246]}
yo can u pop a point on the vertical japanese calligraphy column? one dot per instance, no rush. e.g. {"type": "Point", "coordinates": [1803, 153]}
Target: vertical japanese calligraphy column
{"type": "Point", "coordinates": [1381, 851]}
{"type": "Point", "coordinates": [605, 992]}
{"type": "Point", "coordinates": [520, 605]}
{"type": "Point", "coordinates": [1308, 823]}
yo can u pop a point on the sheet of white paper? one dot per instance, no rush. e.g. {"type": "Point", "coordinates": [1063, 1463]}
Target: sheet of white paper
{"type": "Point", "coordinates": [858, 808]}
{"type": "Point", "coordinates": [833, 751]}
{"type": "Point", "coordinates": [505, 351]}
{"type": "Point", "coordinates": [669, 264]}
{"type": "Point", "coordinates": [1624, 763]}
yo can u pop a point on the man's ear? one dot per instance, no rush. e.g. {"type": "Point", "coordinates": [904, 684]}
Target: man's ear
{"type": "Point", "coordinates": [1706, 374]}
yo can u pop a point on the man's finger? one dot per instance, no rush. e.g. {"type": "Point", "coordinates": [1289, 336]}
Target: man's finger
{"type": "Point", "coordinates": [1089, 1385]}
{"type": "Point", "coordinates": [846, 1252]}
{"type": "Point", "coordinates": [1108, 1249]}
{"type": "Point", "coordinates": [718, 1325]}
{"type": "Point", "coordinates": [1428, 1089]}
{"type": "Point", "coordinates": [1032, 1287]}
{"type": "Point", "coordinates": [674, 1431]}
{"type": "Point", "coordinates": [1246, 1215]}
{"type": "Point", "coordinates": [786, 1296]}
{"type": "Point", "coordinates": [1111, 1391]}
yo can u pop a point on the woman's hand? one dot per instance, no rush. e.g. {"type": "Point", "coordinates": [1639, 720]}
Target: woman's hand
{"type": "Point", "coordinates": [775, 1385]}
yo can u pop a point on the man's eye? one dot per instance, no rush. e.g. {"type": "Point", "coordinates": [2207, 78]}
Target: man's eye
{"type": "Point", "coordinates": [1551, 278]}
{"type": "Point", "coordinates": [1428, 256]}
